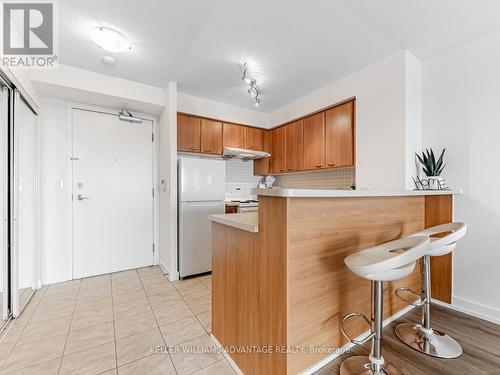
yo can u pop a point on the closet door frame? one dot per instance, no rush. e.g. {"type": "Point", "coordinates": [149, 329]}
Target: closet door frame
{"type": "Point", "coordinates": [4, 246]}
{"type": "Point", "coordinates": [16, 102]}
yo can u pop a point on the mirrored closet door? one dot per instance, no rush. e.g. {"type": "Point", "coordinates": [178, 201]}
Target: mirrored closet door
{"type": "Point", "coordinates": [24, 205]}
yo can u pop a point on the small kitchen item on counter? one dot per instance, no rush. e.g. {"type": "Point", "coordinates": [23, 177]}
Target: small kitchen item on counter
{"type": "Point", "coordinates": [270, 181]}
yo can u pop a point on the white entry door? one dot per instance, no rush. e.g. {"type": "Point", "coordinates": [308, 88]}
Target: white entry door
{"type": "Point", "coordinates": [112, 194]}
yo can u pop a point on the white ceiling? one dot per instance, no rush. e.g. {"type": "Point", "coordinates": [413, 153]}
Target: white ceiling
{"type": "Point", "coordinates": [292, 47]}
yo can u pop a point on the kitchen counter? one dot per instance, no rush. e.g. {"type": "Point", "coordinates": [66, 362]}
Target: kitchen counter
{"type": "Point", "coordinates": [318, 193]}
{"type": "Point", "coordinates": [279, 279]}
{"type": "Point", "coordinates": [247, 221]}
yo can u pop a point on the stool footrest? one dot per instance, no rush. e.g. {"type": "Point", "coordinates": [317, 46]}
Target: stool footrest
{"type": "Point", "coordinates": [398, 291]}
{"type": "Point", "coordinates": [356, 315]}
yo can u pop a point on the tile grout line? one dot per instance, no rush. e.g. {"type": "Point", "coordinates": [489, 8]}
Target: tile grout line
{"type": "Point", "coordinates": [196, 316]}
{"type": "Point", "coordinates": [114, 324]}
{"type": "Point", "coordinates": [156, 320]}
{"type": "Point", "coordinates": [69, 328]}
{"type": "Point", "coordinates": [187, 303]}
{"type": "Point", "coordinates": [25, 326]}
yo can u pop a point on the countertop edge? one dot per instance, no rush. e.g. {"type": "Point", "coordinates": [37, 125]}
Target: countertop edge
{"type": "Point", "coordinates": [312, 193]}
{"type": "Point", "coordinates": [247, 221]}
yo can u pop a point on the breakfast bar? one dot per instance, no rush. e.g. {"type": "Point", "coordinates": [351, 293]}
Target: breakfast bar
{"type": "Point", "coordinates": [279, 283]}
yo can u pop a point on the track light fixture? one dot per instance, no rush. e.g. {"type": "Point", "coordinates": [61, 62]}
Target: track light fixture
{"type": "Point", "coordinates": [253, 89]}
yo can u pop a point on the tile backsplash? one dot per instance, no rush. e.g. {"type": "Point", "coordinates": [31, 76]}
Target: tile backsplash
{"type": "Point", "coordinates": [241, 172]}
{"type": "Point", "coordinates": [339, 178]}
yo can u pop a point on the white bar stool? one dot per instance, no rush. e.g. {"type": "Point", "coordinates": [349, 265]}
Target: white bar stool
{"type": "Point", "coordinates": [422, 337]}
{"type": "Point", "coordinates": [387, 262]}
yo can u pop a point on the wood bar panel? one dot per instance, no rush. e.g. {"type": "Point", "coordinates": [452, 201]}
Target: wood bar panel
{"type": "Point", "coordinates": [249, 288]}
{"type": "Point", "coordinates": [321, 289]}
{"type": "Point", "coordinates": [439, 210]}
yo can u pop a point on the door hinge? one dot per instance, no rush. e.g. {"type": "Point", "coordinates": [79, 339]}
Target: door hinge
{"type": "Point", "coordinates": [152, 137]}
{"type": "Point", "coordinates": [153, 248]}
{"type": "Point", "coordinates": [153, 192]}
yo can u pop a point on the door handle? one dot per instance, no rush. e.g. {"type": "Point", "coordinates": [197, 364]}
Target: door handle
{"type": "Point", "coordinates": [82, 197]}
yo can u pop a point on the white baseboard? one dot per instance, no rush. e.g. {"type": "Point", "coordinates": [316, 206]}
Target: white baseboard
{"type": "Point", "coordinates": [331, 357]}
{"type": "Point", "coordinates": [326, 360]}
{"type": "Point", "coordinates": [226, 356]}
{"type": "Point", "coordinates": [472, 308]}
{"type": "Point", "coordinates": [172, 276]}
{"type": "Point", "coordinates": [54, 279]}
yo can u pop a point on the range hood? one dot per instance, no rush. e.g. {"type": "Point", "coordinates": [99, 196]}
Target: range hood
{"type": "Point", "coordinates": [242, 153]}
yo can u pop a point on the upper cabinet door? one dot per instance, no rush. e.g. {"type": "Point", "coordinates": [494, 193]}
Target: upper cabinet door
{"type": "Point", "coordinates": [211, 137]}
{"type": "Point", "coordinates": [188, 133]}
{"type": "Point", "coordinates": [254, 139]}
{"type": "Point", "coordinates": [294, 146]}
{"type": "Point", "coordinates": [233, 135]}
{"type": "Point", "coordinates": [339, 129]}
{"type": "Point", "coordinates": [314, 141]}
{"type": "Point", "coordinates": [261, 166]}
{"type": "Point", "coordinates": [278, 150]}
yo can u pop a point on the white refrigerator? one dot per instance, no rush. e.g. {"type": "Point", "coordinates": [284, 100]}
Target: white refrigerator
{"type": "Point", "coordinates": [201, 194]}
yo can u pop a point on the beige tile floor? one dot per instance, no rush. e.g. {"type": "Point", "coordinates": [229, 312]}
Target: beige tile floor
{"type": "Point", "coordinates": [120, 323]}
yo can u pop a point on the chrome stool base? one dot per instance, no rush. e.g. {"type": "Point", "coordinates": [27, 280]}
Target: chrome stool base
{"type": "Point", "coordinates": [436, 344]}
{"type": "Point", "coordinates": [361, 365]}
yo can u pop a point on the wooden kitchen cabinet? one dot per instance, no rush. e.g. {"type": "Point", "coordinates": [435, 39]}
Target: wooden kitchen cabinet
{"type": "Point", "coordinates": [233, 135]}
{"type": "Point", "coordinates": [339, 135]}
{"type": "Point", "coordinates": [294, 146]}
{"type": "Point", "coordinates": [314, 141]}
{"type": "Point", "coordinates": [278, 150]}
{"type": "Point", "coordinates": [188, 133]}
{"type": "Point", "coordinates": [211, 137]}
{"type": "Point", "coordinates": [254, 139]}
{"type": "Point", "coordinates": [261, 166]}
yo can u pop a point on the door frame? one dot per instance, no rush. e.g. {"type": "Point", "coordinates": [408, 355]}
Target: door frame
{"type": "Point", "coordinates": [69, 182]}
{"type": "Point", "coordinates": [16, 309]}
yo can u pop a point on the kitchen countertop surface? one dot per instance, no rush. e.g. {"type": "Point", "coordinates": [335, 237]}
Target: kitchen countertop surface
{"type": "Point", "coordinates": [248, 221]}
{"type": "Point", "coordinates": [313, 193]}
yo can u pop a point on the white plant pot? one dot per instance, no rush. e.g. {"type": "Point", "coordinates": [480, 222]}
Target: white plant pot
{"type": "Point", "coordinates": [435, 182]}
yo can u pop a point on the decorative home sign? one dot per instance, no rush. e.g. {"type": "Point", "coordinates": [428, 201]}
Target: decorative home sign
{"type": "Point", "coordinates": [430, 183]}
{"type": "Point", "coordinates": [432, 170]}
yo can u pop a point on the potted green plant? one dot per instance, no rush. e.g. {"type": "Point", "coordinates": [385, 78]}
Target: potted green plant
{"type": "Point", "coordinates": [432, 168]}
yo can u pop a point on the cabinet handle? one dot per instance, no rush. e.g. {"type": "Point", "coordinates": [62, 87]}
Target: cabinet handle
{"type": "Point", "coordinates": [290, 169]}
{"type": "Point", "coordinates": [331, 164]}
{"type": "Point", "coordinates": [193, 148]}
{"type": "Point", "coordinates": [318, 166]}
{"type": "Point", "coordinates": [207, 150]}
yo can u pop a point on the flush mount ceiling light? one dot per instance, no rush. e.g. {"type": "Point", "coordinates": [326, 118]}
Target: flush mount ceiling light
{"type": "Point", "coordinates": [110, 40]}
{"type": "Point", "coordinates": [253, 89]}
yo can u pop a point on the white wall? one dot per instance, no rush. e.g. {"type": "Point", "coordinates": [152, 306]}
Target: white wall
{"type": "Point", "coordinates": [84, 86]}
{"type": "Point", "coordinates": [461, 111]}
{"type": "Point", "coordinates": [220, 111]}
{"type": "Point", "coordinates": [55, 153]}
{"type": "Point", "coordinates": [413, 116]}
{"type": "Point", "coordinates": [381, 118]}
{"type": "Point", "coordinates": [168, 192]}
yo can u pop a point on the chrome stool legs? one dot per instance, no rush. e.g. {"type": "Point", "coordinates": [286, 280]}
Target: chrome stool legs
{"type": "Point", "coordinates": [373, 364]}
{"type": "Point", "coordinates": [422, 337]}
